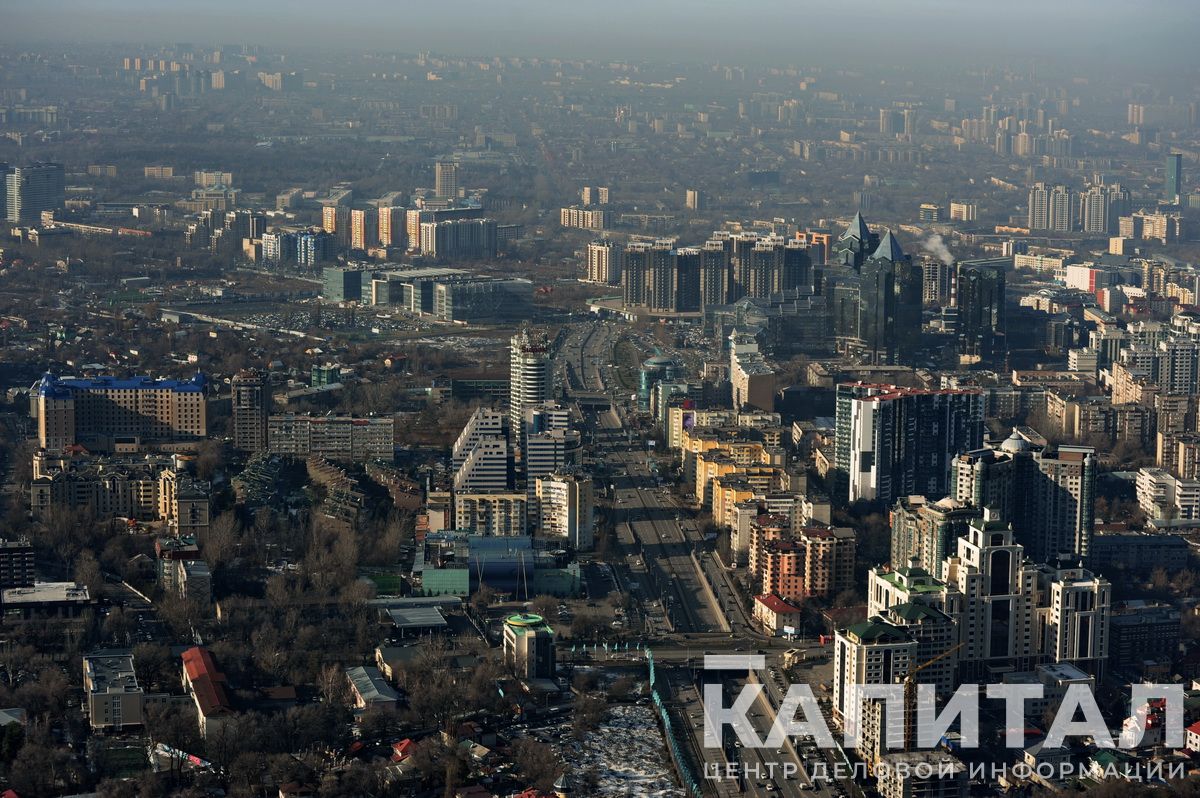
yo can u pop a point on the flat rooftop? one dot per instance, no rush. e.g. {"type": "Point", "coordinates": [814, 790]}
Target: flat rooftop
{"type": "Point", "coordinates": [417, 617]}
{"type": "Point", "coordinates": [110, 672]}
{"type": "Point", "coordinates": [45, 593]}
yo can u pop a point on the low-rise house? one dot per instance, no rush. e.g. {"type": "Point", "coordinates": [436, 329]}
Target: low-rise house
{"type": "Point", "coordinates": [1192, 737]}
{"type": "Point", "coordinates": [12, 715]}
{"type": "Point", "coordinates": [775, 614]}
{"type": "Point", "coordinates": [207, 686]}
{"type": "Point", "coordinates": [114, 698]}
{"type": "Point", "coordinates": [370, 689]}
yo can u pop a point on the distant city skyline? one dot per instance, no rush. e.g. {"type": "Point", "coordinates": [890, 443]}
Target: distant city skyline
{"type": "Point", "coordinates": [920, 31]}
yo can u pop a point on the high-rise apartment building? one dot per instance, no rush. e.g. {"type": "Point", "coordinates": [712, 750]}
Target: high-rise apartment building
{"type": "Point", "coordinates": [144, 488]}
{"type": "Point", "coordinates": [829, 558]}
{"type": "Point", "coordinates": [662, 277]}
{"type": "Point", "coordinates": [714, 272]}
{"type": "Point", "coordinates": [604, 262]}
{"type": "Point", "coordinates": [585, 218]}
{"type": "Point", "coordinates": [547, 450]}
{"type": "Point", "coordinates": [106, 411]}
{"type": "Point", "coordinates": [549, 446]}
{"type": "Point", "coordinates": [530, 379]}
{"type": "Point", "coordinates": [1008, 613]}
{"type": "Point", "coordinates": [645, 274]}
{"type": "Point", "coordinates": [415, 217]}
{"type": "Point", "coordinates": [753, 381]}
{"type": "Point", "coordinates": [891, 122]}
{"type": "Point", "coordinates": [1046, 495]}
{"type": "Point", "coordinates": [1073, 613]}
{"type": "Point", "coordinates": [313, 247]}
{"type": "Point", "coordinates": [1015, 613]}
{"type": "Point", "coordinates": [1063, 505]}
{"type": "Point", "coordinates": [936, 281]}
{"type": "Point", "coordinates": [979, 296]}
{"type": "Point", "coordinates": [893, 441]}
{"type": "Point", "coordinates": [1000, 591]}
{"type": "Point", "coordinates": [459, 238]}
{"type": "Point", "coordinates": [566, 506]}
{"type": "Point", "coordinates": [873, 652]}
{"type": "Point", "coordinates": [1101, 207]}
{"type": "Point", "coordinates": [491, 512]}
{"type": "Point", "coordinates": [963, 211]}
{"type": "Point", "coordinates": [480, 454]}
{"type": "Point", "coordinates": [483, 423]}
{"type": "Point", "coordinates": [485, 468]}
{"type": "Point", "coordinates": [211, 178]}
{"type": "Point", "coordinates": [935, 634]}
{"type": "Point", "coordinates": [251, 407]}
{"type": "Point", "coordinates": [279, 246]}
{"type": "Point", "coordinates": [925, 532]}
{"type": "Point", "coordinates": [1051, 208]}
{"type": "Point", "coordinates": [364, 227]}
{"type": "Point", "coordinates": [1145, 225]}
{"type": "Point", "coordinates": [335, 220]}
{"type": "Point", "coordinates": [686, 288]}
{"type": "Point", "coordinates": [593, 195]}
{"type": "Point", "coordinates": [1161, 494]}
{"type": "Point", "coordinates": [445, 179]}
{"type": "Point", "coordinates": [29, 190]}
{"type": "Point", "coordinates": [930, 212]}
{"type": "Point", "coordinates": [391, 225]}
{"type": "Point", "coordinates": [352, 439]}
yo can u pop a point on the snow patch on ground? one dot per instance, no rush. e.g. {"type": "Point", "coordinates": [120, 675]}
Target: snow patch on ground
{"type": "Point", "coordinates": [629, 755]}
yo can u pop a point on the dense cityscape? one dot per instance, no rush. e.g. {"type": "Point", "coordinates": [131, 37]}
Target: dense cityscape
{"type": "Point", "coordinates": [386, 423]}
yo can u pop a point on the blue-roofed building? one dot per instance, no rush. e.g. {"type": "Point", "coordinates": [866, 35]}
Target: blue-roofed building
{"type": "Point", "coordinates": [118, 413]}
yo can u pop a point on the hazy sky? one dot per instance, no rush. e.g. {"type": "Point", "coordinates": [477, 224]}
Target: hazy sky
{"type": "Point", "coordinates": [1161, 32]}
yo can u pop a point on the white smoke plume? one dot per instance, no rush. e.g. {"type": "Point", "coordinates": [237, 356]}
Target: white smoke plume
{"type": "Point", "coordinates": [936, 246]}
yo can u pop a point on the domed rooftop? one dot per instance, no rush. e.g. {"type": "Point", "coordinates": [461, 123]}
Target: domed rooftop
{"type": "Point", "coordinates": [1014, 443]}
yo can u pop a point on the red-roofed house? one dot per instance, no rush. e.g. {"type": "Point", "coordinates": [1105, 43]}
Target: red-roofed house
{"type": "Point", "coordinates": [774, 613]}
{"type": "Point", "coordinates": [402, 750]}
{"type": "Point", "coordinates": [206, 684]}
{"type": "Point", "coordinates": [1191, 738]}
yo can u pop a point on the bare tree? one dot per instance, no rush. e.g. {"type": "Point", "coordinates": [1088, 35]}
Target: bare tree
{"type": "Point", "coordinates": [543, 605]}
{"type": "Point", "coordinates": [483, 598]}
{"type": "Point", "coordinates": [221, 539]}
{"type": "Point", "coordinates": [332, 685]}
{"type": "Point", "coordinates": [536, 763]}
{"type": "Point", "coordinates": [177, 728]}
{"type": "Point", "coordinates": [87, 573]}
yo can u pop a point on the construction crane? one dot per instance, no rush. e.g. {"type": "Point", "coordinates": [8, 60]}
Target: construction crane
{"type": "Point", "coordinates": [910, 697]}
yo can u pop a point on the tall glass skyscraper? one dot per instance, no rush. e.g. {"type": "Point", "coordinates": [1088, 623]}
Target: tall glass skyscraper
{"type": "Point", "coordinates": [1173, 184]}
